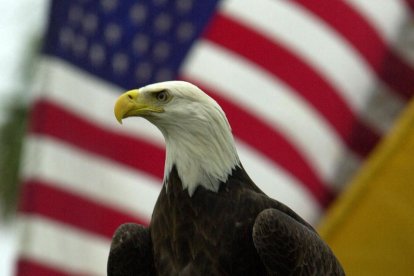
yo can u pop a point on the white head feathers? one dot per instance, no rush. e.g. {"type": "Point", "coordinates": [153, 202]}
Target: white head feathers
{"type": "Point", "coordinates": [198, 136]}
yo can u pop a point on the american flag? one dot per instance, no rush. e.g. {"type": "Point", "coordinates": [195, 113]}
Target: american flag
{"type": "Point", "coordinates": [308, 86]}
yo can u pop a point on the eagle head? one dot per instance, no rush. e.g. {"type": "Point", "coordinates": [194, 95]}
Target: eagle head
{"type": "Point", "coordinates": [198, 137]}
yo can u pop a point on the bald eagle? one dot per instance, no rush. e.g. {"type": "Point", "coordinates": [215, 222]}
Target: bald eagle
{"type": "Point", "coordinates": [210, 218]}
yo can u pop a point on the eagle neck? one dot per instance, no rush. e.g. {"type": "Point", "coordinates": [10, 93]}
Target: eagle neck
{"type": "Point", "coordinates": [203, 154]}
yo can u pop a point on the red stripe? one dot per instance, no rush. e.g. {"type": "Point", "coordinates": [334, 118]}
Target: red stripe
{"type": "Point", "coordinates": [27, 267]}
{"type": "Point", "coordinates": [285, 65]}
{"type": "Point", "coordinates": [398, 74]}
{"type": "Point", "coordinates": [352, 27]}
{"type": "Point", "coordinates": [389, 66]}
{"type": "Point", "coordinates": [48, 118]}
{"type": "Point", "coordinates": [50, 201]}
{"type": "Point", "coordinates": [53, 120]}
{"type": "Point", "coordinates": [275, 147]}
{"type": "Point", "coordinates": [410, 4]}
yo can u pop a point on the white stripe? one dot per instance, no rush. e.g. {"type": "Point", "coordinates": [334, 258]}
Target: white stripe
{"type": "Point", "coordinates": [91, 176]}
{"type": "Point", "coordinates": [385, 16]}
{"type": "Point", "coordinates": [279, 185]}
{"type": "Point", "coordinates": [404, 46]}
{"type": "Point", "coordinates": [64, 79]}
{"type": "Point", "coordinates": [89, 96]}
{"type": "Point", "coordinates": [63, 247]}
{"type": "Point", "coordinates": [250, 87]}
{"type": "Point", "coordinates": [132, 191]}
{"type": "Point", "coordinates": [311, 39]}
{"type": "Point", "coordinates": [64, 88]}
{"type": "Point", "coordinates": [383, 108]}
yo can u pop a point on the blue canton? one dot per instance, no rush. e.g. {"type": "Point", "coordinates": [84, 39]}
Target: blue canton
{"type": "Point", "coordinates": [128, 43]}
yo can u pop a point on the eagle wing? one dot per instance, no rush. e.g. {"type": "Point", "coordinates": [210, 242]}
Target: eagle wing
{"type": "Point", "coordinates": [287, 247]}
{"type": "Point", "coordinates": [130, 252]}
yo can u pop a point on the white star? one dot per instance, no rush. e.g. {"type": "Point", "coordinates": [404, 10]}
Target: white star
{"type": "Point", "coordinates": [90, 23]}
{"type": "Point", "coordinates": [162, 23]}
{"type": "Point", "coordinates": [109, 5]}
{"type": "Point", "coordinates": [120, 63]}
{"type": "Point", "coordinates": [164, 74]}
{"type": "Point", "coordinates": [161, 51]}
{"type": "Point", "coordinates": [185, 31]}
{"type": "Point", "coordinates": [140, 44]}
{"type": "Point", "coordinates": [184, 6]}
{"type": "Point", "coordinates": [138, 14]}
{"type": "Point", "coordinates": [112, 33]}
{"type": "Point", "coordinates": [97, 54]}
{"type": "Point", "coordinates": [80, 45]}
{"type": "Point", "coordinates": [159, 2]}
{"type": "Point", "coordinates": [143, 71]}
{"type": "Point", "coordinates": [66, 37]}
{"type": "Point", "coordinates": [75, 14]}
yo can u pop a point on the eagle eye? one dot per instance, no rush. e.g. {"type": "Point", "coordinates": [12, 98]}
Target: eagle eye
{"type": "Point", "coordinates": [162, 96]}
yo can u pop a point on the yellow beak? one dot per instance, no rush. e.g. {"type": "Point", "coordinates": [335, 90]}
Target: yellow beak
{"type": "Point", "coordinates": [134, 103]}
{"type": "Point", "coordinates": [125, 104]}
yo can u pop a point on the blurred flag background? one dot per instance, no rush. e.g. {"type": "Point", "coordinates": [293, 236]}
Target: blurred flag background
{"type": "Point", "coordinates": [309, 88]}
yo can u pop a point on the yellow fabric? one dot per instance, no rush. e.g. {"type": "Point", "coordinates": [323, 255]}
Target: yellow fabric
{"type": "Point", "coordinates": [371, 226]}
